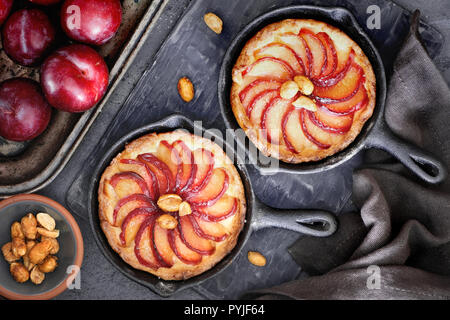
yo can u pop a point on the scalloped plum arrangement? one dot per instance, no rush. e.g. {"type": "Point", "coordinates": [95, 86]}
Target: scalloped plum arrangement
{"type": "Point", "coordinates": [172, 206]}
{"type": "Point", "coordinates": [302, 95]}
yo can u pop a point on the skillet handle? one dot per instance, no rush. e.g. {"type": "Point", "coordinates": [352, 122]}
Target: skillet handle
{"type": "Point", "coordinates": [419, 161]}
{"type": "Point", "coordinates": [314, 223]}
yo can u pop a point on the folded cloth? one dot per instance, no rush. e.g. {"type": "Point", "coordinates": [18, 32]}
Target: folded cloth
{"type": "Point", "coordinates": [399, 245]}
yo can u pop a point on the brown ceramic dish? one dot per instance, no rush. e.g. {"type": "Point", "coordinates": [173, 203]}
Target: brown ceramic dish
{"type": "Point", "coordinates": [70, 256]}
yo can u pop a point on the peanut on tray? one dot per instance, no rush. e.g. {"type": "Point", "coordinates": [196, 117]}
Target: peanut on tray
{"type": "Point", "coordinates": [32, 248]}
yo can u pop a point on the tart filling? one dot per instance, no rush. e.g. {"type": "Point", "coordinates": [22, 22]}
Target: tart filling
{"type": "Point", "coordinates": [302, 90]}
{"type": "Point", "coordinates": [172, 204]}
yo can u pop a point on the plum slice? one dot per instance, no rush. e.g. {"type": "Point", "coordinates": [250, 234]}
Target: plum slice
{"type": "Point", "coordinates": [161, 171]}
{"type": "Point", "coordinates": [192, 240]}
{"type": "Point", "coordinates": [327, 121]}
{"type": "Point", "coordinates": [307, 133]}
{"type": "Point", "coordinates": [167, 154]}
{"type": "Point", "coordinates": [331, 54]}
{"type": "Point", "coordinates": [294, 137]}
{"type": "Point", "coordinates": [132, 223]}
{"type": "Point", "coordinates": [272, 117]}
{"type": "Point", "coordinates": [345, 89]}
{"type": "Point", "coordinates": [298, 44]}
{"type": "Point", "coordinates": [183, 253]}
{"type": "Point", "coordinates": [129, 165]}
{"type": "Point", "coordinates": [189, 168]}
{"type": "Point", "coordinates": [284, 122]}
{"type": "Point", "coordinates": [259, 104]}
{"type": "Point", "coordinates": [256, 88]}
{"type": "Point", "coordinates": [143, 248]}
{"type": "Point", "coordinates": [341, 70]}
{"type": "Point", "coordinates": [357, 102]}
{"type": "Point", "coordinates": [213, 190]}
{"type": "Point", "coordinates": [318, 52]}
{"type": "Point", "coordinates": [269, 67]}
{"type": "Point", "coordinates": [162, 246]}
{"type": "Point", "coordinates": [118, 177]}
{"type": "Point", "coordinates": [128, 204]}
{"type": "Point", "coordinates": [224, 208]}
{"type": "Point", "coordinates": [204, 161]}
{"type": "Point", "coordinates": [209, 230]}
{"type": "Point", "coordinates": [283, 52]}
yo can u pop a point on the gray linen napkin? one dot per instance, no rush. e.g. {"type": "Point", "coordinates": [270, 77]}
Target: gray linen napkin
{"type": "Point", "coordinates": [398, 247]}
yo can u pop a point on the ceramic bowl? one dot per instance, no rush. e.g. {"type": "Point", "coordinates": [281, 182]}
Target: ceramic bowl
{"type": "Point", "coordinates": [70, 255]}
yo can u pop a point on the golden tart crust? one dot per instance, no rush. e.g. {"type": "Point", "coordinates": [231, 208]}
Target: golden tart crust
{"type": "Point", "coordinates": [320, 141]}
{"type": "Point", "coordinates": [227, 227]}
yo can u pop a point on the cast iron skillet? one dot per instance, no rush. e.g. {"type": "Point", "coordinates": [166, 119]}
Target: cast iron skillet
{"type": "Point", "coordinates": [258, 216]}
{"type": "Point", "coordinates": [375, 133]}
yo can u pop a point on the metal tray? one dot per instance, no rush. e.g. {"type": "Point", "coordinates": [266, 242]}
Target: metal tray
{"type": "Point", "coordinates": [28, 167]}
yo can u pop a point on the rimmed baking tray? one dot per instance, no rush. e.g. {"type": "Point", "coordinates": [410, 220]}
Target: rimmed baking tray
{"type": "Point", "coordinates": [28, 167]}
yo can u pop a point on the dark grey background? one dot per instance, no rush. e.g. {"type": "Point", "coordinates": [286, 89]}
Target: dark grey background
{"type": "Point", "coordinates": [100, 280]}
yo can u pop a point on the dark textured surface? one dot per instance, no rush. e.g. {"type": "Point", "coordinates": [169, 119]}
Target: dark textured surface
{"type": "Point", "coordinates": [99, 280]}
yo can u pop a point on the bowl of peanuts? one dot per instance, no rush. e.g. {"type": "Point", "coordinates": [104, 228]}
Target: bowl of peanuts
{"type": "Point", "coordinates": [41, 248]}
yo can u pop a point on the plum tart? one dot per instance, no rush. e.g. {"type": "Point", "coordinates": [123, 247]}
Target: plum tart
{"type": "Point", "coordinates": [302, 90]}
{"type": "Point", "coordinates": [172, 204]}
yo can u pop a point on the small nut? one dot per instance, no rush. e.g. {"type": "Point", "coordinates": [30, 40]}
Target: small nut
{"type": "Point", "coordinates": [305, 85]}
{"type": "Point", "coordinates": [46, 233]}
{"type": "Point", "coordinates": [185, 209]}
{"type": "Point", "coordinates": [27, 263]}
{"type": "Point", "coordinates": [19, 272]}
{"type": "Point", "coordinates": [166, 221]}
{"type": "Point", "coordinates": [288, 90]}
{"type": "Point", "coordinates": [46, 221]}
{"type": "Point", "coordinates": [169, 202]}
{"type": "Point", "coordinates": [40, 251]}
{"type": "Point", "coordinates": [55, 245]}
{"type": "Point", "coordinates": [30, 244]}
{"type": "Point", "coordinates": [306, 103]}
{"type": "Point", "coordinates": [16, 231]}
{"type": "Point", "coordinates": [186, 89]}
{"type": "Point", "coordinates": [256, 258]}
{"type": "Point", "coordinates": [29, 225]}
{"type": "Point", "coordinates": [19, 247]}
{"type": "Point", "coordinates": [26, 259]}
{"type": "Point", "coordinates": [8, 253]}
{"type": "Point", "coordinates": [49, 264]}
{"type": "Point", "coordinates": [213, 22]}
{"type": "Point", "coordinates": [36, 275]}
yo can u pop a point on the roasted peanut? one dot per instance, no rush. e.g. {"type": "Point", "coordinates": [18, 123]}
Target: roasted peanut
{"type": "Point", "coordinates": [49, 264]}
{"type": "Point", "coordinates": [55, 245]}
{"type": "Point", "coordinates": [16, 231]}
{"type": "Point", "coordinates": [186, 89]}
{"type": "Point", "coordinates": [36, 275]}
{"type": "Point", "coordinates": [288, 90]}
{"type": "Point", "coordinates": [305, 85]}
{"type": "Point", "coordinates": [256, 258]}
{"type": "Point", "coordinates": [166, 221]}
{"type": "Point", "coordinates": [8, 253]}
{"type": "Point", "coordinates": [29, 225]}
{"type": "Point", "coordinates": [213, 22]}
{"type": "Point", "coordinates": [19, 247]}
{"type": "Point", "coordinates": [46, 221]}
{"type": "Point", "coordinates": [40, 251]}
{"type": "Point", "coordinates": [306, 103]}
{"type": "Point", "coordinates": [26, 258]}
{"type": "Point", "coordinates": [46, 233]}
{"type": "Point", "coordinates": [169, 202]}
{"type": "Point", "coordinates": [184, 209]}
{"type": "Point", "coordinates": [19, 272]}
